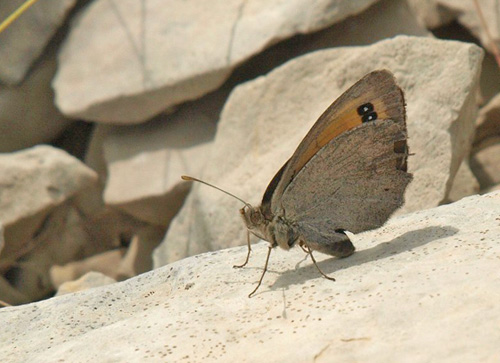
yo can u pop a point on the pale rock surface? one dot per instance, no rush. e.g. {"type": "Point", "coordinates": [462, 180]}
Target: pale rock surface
{"type": "Point", "coordinates": [464, 183]}
{"type": "Point", "coordinates": [25, 39]}
{"type": "Point", "coordinates": [106, 263]}
{"type": "Point", "coordinates": [118, 264]}
{"type": "Point", "coordinates": [422, 288]}
{"type": "Point", "coordinates": [488, 121]}
{"type": "Point", "coordinates": [430, 12]}
{"type": "Point", "coordinates": [80, 227]}
{"type": "Point", "coordinates": [87, 281]}
{"type": "Point", "coordinates": [264, 120]}
{"type": "Point", "coordinates": [27, 112]}
{"type": "Point", "coordinates": [32, 183]}
{"type": "Point", "coordinates": [10, 295]}
{"type": "Point", "coordinates": [94, 155]}
{"type": "Point", "coordinates": [382, 20]}
{"type": "Point", "coordinates": [485, 158]}
{"type": "Point", "coordinates": [138, 258]}
{"type": "Point", "coordinates": [490, 78]}
{"type": "Point", "coordinates": [67, 234]}
{"type": "Point", "coordinates": [144, 162]}
{"type": "Point", "coordinates": [434, 13]}
{"type": "Point", "coordinates": [492, 189]}
{"type": "Point", "coordinates": [1, 238]}
{"type": "Point", "coordinates": [485, 163]}
{"type": "Point", "coordinates": [165, 53]}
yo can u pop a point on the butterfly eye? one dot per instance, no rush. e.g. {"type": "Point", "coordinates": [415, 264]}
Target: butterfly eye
{"type": "Point", "coordinates": [256, 217]}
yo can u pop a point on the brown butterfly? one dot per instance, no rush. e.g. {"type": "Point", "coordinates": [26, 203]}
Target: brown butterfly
{"type": "Point", "coordinates": [349, 173]}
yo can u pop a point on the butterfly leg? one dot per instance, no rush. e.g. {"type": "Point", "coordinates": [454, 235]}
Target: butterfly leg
{"type": "Point", "coordinates": [309, 251]}
{"type": "Point", "coordinates": [248, 253]}
{"type": "Point", "coordinates": [263, 272]}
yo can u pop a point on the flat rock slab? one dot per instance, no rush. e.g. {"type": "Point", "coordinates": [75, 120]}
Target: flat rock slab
{"type": "Point", "coordinates": [33, 182]}
{"type": "Point", "coordinates": [23, 41]}
{"type": "Point", "coordinates": [422, 288]}
{"type": "Point", "coordinates": [165, 53]}
{"type": "Point", "coordinates": [434, 13]}
{"type": "Point", "coordinates": [28, 115]}
{"type": "Point", "coordinates": [49, 174]}
{"type": "Point", "coordinates": [144, 162]}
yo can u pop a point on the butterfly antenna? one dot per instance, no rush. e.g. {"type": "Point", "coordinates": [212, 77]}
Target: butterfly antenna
{"type": "Point", "coordinates": [190, 178]}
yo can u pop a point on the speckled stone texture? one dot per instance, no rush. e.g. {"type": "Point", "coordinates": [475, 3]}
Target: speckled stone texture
{"type": "Point", "coordinates": [422, 288]}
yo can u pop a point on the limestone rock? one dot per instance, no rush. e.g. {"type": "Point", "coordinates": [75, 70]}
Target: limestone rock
{"type": "Point", "coordinates": [39, 178]}
{"type": "Point", "coordinates": [464, 183]}
{"type": "Point", "coordinates": [25, 39]}
{"type": "Point", "coordinates": [67, 234]}
{"type": "Point", "coordinates": [490, 78]}
{"type": "Point", "coordinates": [431, 13]}
{"type": "Point", "coordinates": [405, 285]}
{"type": "Point", "coordinates": [166, 53]}
{"type": "Point", "coordinates": [145, 162]}
{"type": "Point", "coordinates": [492, 188]}
{"type": "Point", "coordinates": [139, 256]}
{"type": "Point", "coordinates": [80, 227]}
{"type": "Point", "coordinates": [485, 163]}
{"type": "Point", "coordinates": [106, 263]}
{"type": "Point", "coordinates": [118, 263]}
{"type": "Point", "coordinates": [87, 281]}
{"type": "Point", "coordinates": [27, 112]}
{"type": "Point", "coordinates": [434, 13]}
{"type": "Point", "coordinates": [10, 295]}
{"type": "Point", "coordinates": [252, 143]}
{"type": "Point", "coordinates": [485, 158]}
{"type": "Point", "coordinates": [382, 20]}
{"type": "Point", "coordinates": [32, 183]}
{"type": "Point", "coordinates": [488, 121]}
{"type": "Point", "coordinates": [1, 238]}
{"type": "Point", "coordinates": [94, 156]}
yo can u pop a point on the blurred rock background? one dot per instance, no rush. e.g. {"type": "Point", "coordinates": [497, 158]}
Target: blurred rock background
{"type": "Point", "coordinates": [105, 103]}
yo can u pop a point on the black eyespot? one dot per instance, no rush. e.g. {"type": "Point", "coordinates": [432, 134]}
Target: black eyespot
{"type": "Point", "coordinates": [367, 113]}
{"type": "Point", "coordinates": [365, 108]}
{"type": "Point", "coordinates": [372, 116]}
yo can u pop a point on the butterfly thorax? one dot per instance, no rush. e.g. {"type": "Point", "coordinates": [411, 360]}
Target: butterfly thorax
{"type": "Point", "coordinates": [277, 230]}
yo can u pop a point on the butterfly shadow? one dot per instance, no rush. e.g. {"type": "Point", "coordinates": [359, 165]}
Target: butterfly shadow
{"type": "Point", "coordinates": [403, 243]}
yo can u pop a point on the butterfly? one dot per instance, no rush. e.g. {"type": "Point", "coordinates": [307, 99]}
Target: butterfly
{"type": "Point", "coordinates": [349, 173]}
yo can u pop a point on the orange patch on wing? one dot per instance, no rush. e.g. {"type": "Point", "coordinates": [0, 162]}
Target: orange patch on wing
{"type": "Point", "coordinates": [344, 121]}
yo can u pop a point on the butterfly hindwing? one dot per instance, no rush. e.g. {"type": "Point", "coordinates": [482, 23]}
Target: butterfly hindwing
{"type": "Point", "coordinates": [353, 183]}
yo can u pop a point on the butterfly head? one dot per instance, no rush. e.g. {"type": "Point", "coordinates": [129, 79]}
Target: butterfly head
{"type": "Point", "coordinates": [255, 221]}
